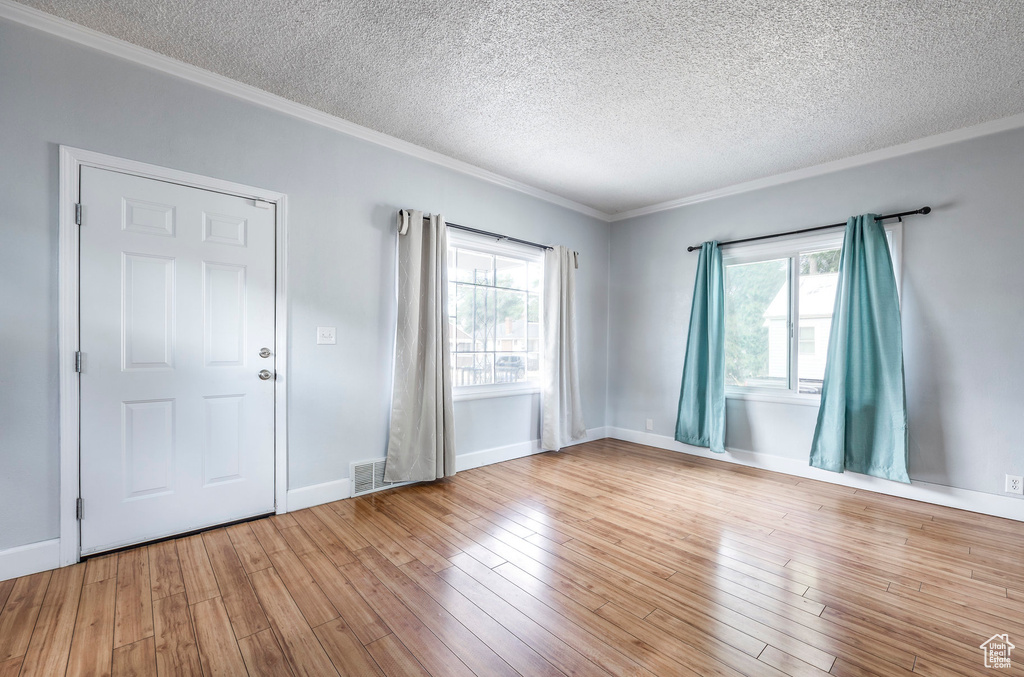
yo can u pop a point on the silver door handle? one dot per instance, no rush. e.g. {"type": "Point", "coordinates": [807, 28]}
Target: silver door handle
{"type": "Point", "coordinates": [265, 352]}
{"type": "Point", "coordinates": [265, 375]}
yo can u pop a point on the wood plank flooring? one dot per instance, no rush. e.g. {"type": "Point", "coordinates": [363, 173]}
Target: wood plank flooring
{"type": "Point", "coordinates": [607, 558]}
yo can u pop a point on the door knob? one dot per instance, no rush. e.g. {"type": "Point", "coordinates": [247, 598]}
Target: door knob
{"type": "Point", "coordinates": [264, 352]}
{"type": "Point", "coordinates": [265, 375]}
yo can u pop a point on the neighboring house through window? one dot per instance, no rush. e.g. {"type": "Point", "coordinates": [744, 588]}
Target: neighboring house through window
{"type": "Point", "coordinates": [779, 298]}
{"type": "Point", "coordinates": [807, 345]}
{"type": "Point", "coordinates": [494, 315]}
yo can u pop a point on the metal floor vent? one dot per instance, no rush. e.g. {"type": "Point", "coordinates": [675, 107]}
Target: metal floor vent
{"type": "Point", "coordinates": [368, 476]}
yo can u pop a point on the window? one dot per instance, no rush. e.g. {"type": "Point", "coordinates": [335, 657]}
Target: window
{"type": "Point", "coordinates": [778, 315]}
{"type": "Point", "coordinates": [494, 329]}
{"type": "Point", "coordinates": [807, 340]}
{"type": "Point", "coordinates": [757, 324]}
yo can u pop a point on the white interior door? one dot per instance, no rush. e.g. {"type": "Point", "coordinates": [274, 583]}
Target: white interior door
{"type": "Point", "coordinates": [176, 306]}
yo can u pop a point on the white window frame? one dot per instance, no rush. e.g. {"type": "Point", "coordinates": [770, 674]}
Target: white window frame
{"type": "Point", "coordinates": [790, 247]}
{"type": "Point", "coordinates": [489, 245]}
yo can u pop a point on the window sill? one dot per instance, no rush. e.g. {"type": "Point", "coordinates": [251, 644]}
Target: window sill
{"type": "Point", "coordinates": [777, 398]}
{"type": "Point", "coordinates": [491, 391]}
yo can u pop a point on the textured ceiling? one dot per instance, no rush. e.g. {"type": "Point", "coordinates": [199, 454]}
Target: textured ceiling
{"type": "Point", "coordinates": [616, 104]}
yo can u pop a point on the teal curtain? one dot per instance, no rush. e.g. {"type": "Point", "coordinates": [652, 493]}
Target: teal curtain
{"type": "Point", "coordinates": [862, 421]}
{"type": "Point", "coordinates": [701, 420]}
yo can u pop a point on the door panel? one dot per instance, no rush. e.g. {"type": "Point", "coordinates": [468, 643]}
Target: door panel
{"type": "Point", "coordinates": [222, 447]}
{"type": "Point", "coordinates": [147, 307]}
{"type": "Point", "coordinates": [148, 447]}
{"type": "Point", "coordinates": [224, 305]}
{"type": "Point", "coordinates": [177, 299]}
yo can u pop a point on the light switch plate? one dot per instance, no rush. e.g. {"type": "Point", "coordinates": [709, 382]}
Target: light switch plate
{"type": "Point", "coordinates": [326, 336]}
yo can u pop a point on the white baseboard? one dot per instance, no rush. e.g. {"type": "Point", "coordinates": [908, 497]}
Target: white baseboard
{"type": "Point", "coordinates": [507, 453]}
{"type": "Point", "coordinates": [496, 455]}
{"type": "Point", "coordinates": [29, 559]}
{"type": "Point", "coordinates": [335, 490]}
{"type": "Point", "coordinates": [317, 494]}
{"type": "Point", "coordinates": [937, 494]}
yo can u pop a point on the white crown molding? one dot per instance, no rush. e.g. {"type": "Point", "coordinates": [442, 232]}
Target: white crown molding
{"type": "Point", "coordinates": [926, 143]}
{"type": "Point", "coordinates": [88, 37]}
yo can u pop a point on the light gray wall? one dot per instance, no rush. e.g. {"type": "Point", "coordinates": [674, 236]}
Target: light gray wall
{"type": "Point", "coordinates": [343, 194]}
{"type": "Point", "coordinates": [963, 305]}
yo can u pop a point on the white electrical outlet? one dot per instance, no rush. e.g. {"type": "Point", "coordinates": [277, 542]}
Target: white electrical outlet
{"type": "Point", "coordinates": [650, 424]}
{"type": "Point", "coordinates": [1015, 484]}
{"type": "Point", "coordinates": [326, 336]}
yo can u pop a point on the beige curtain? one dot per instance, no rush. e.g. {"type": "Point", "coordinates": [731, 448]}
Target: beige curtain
{"type": "Point", "coordinates": [421, 444]}
{"type": "Point", "coordinates": [561, 406]}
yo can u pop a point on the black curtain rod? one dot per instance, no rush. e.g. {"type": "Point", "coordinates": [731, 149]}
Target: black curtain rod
{"type": "Point", "coordinates": [922, 210]}
{"type": "Point", "coordinates": [498, 236]}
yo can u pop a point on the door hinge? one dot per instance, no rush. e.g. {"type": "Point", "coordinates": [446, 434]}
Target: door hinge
{"type": "Point", "coordinates": [78, 361]}
{"type": "Point", "coordinates": [80, 509]}
{"type": "Point", "coordinates": [78, 213]}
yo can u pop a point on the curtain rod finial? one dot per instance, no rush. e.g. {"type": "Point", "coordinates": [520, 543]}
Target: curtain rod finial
{"type": "Point", "coordinates": [926, 210]}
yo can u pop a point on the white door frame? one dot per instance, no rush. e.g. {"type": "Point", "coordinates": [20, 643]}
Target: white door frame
{"type": "Point", "coordinates": [71, 162]}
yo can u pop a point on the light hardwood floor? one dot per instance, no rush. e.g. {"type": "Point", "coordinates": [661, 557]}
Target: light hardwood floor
{"type": "Point", "coordinates": [607, 558]}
